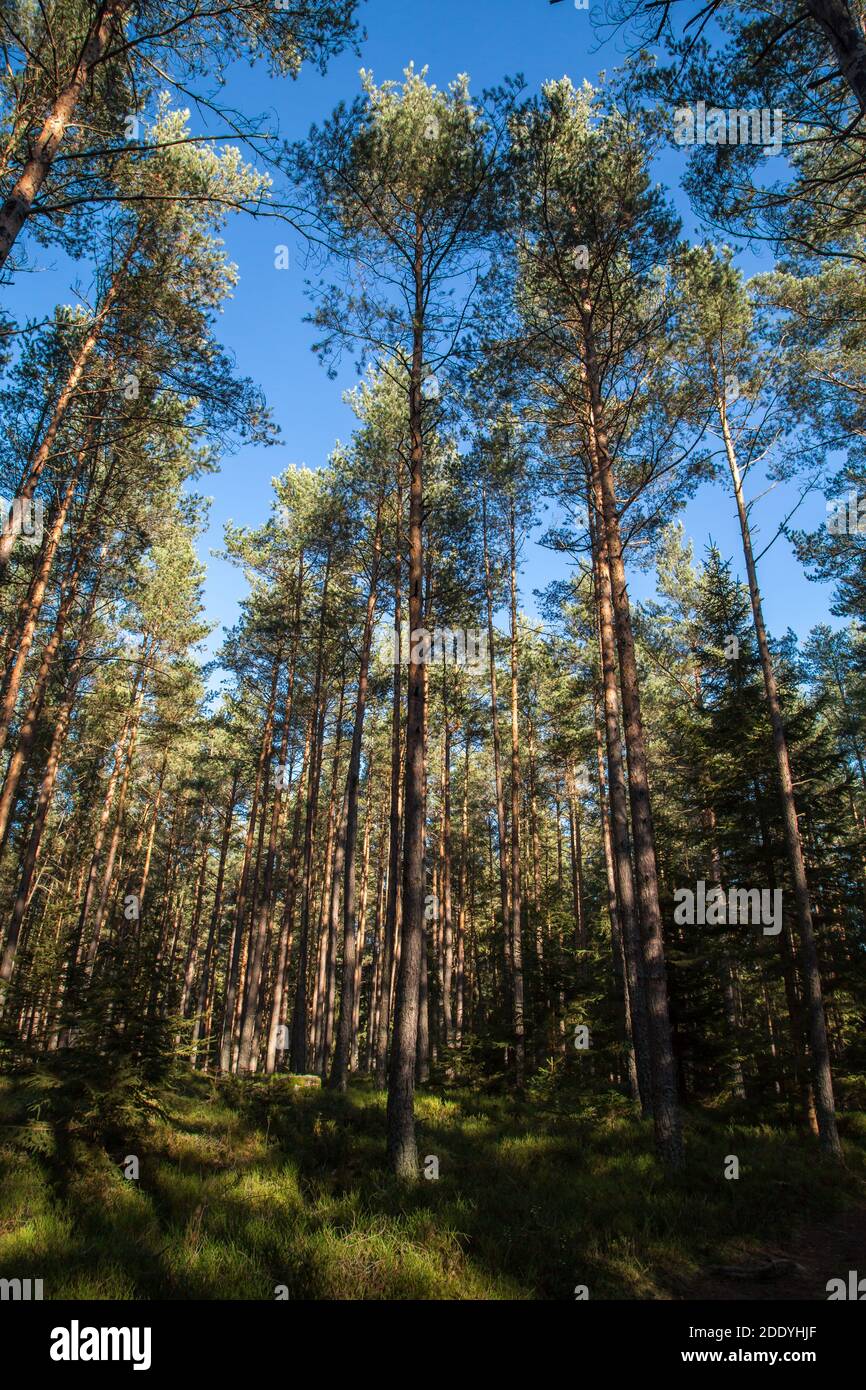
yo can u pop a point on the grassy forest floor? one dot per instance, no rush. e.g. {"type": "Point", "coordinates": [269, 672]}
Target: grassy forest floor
{"type": "Point", "coordinates": [245, 1186]}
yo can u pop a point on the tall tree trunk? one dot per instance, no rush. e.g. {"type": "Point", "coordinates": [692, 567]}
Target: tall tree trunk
{"type": "Point", "coordinates": [355, 1049]}
{"type": "Point", "coordinates": [823, 1077]}
{"type": "Point", "coordinates": [260, 925]}
{"type": "Point", "coordinates": [335, 850]}
{"type": "Point", "coordinates": [192, 942]}
{"type": "Point", "coordinates": [108, 872]}
{"type": "Point", "coordinates": [793, 995]}
{"type": "Point", "coordinates": [376, 997]}
{"type": "Point", "coordinates": [497, 750]}
{"type": "Point", "coordinates": [298, 1059]}
{"type": "Point", "coordinates": [447, 927]}
{"type": "Point", "coordinates": [31, 609]}
{"type": "Point", "coordinates": [199, 1035]}
{"type": "Point", "coordinates": [460, 984]}
{"type": "Point", "coordinates": [422, 1049]}
{"type": "Point", "coordinates": [32, 606]}
{"type": "Point", "coordinates": [127, 734]}
{"type": "Point", "coordinates": [284, 945]}
{"type": "Point", "coordinates": [620, 965]}
{"type": "Point", "coordinates": [620, 834]}
{"type": "Point", "coordinates": [342, 1052]}
{"type": "Point", "coordinates": [666, 1116]}
{"type": "Point", "coordinates": [46, 791]}
{"type": "Point", "coordinates": [576, 860]}
{"type": "Point", "coordinates": [516, 929]}
{"type": "Point", "coordinates": [395, 818]}
{"type": "Point", "coordinates": [259, 793]}
{"type": "Point", "coordinates": [22, 752]}
{"type": "Point", "coordinates": [402, 1148]}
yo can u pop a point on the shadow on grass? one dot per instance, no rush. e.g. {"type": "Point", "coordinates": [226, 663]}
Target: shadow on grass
{"type": "Point", "coordinates": [246, 1188]}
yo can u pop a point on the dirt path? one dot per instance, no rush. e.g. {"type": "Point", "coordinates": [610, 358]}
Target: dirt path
{"type": "Point", "coordinates": [797, 1269]}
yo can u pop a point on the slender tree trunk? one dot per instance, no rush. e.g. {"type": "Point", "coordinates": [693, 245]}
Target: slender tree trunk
{"type": "Point", "coordinates": [199, 1035]}
{"type": "Point", "coordinates": [536, 845]}
{"type": "Point", "coordinates": [402, 1148]}
{"type": "Point", "coordinates": [576, 861]}
{"type": "Point", "coordinates": [355, 1049]}
{"type": "Point", "coordinates": [666, 1116]}
{"type": "Point", "coordinates": [108, 872]}
{"type": "Point", "coordinates": [376, 998]}
{"type": "Point", "coordinates": [445, 904]}
{"type": "Point", "coordinates": [284, 945]}
{"type": "Point", "coordinates": [43, 803]}
{"type": "Point", "coordinates": [823, 1077]}
{"type": "Point", "coordinates": [620, 834]}
{"type": "Point", "coordinates": [335, 849]}
{"type": "Point", "coordinates": [298, 1059]}
{"type": "Point", "coordinates": [620, 966]}
{"type": "Point", "coordinates": [516, 892]}
{"type": "Point", "coordinates": [422, 1050]}
{"type": "Point", "coordinates": [497, 749]}
{"type": "Point", "coordinates": [126, 736]}
{"type": "Point", "coordinates": [460, 984]}
{"type": "Point", "coordinates": [31, 608]}
{"type": "Point", "coordinates": [22, 752]}
{"type": "Point", "coordinates": [789, 976]}
{"type": "Point", "coordinates": [395, 819]}
{"type": "Point", "coordinates": [342, 1052]}
{"type": "Point", "coordinates": [259, 792]}
{"type": "Point", "coordinates": [192, 943]}
{"type": "Point", "coordinates": [260, 925]}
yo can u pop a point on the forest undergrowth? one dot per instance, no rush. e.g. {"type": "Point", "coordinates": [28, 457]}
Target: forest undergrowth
{"type": "Point", "coordinates": [265, 1189]}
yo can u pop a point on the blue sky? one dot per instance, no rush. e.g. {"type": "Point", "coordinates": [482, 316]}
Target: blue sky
{"type": "Point", "coordinates": [263, 323]}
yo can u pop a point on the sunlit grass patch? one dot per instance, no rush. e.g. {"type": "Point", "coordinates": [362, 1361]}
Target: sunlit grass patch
{"type": "Point", "coordinates": [248, 1189]}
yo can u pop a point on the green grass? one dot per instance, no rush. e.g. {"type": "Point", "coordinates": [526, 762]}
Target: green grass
{"type": "Point", "coordinates": [247, 1186]}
